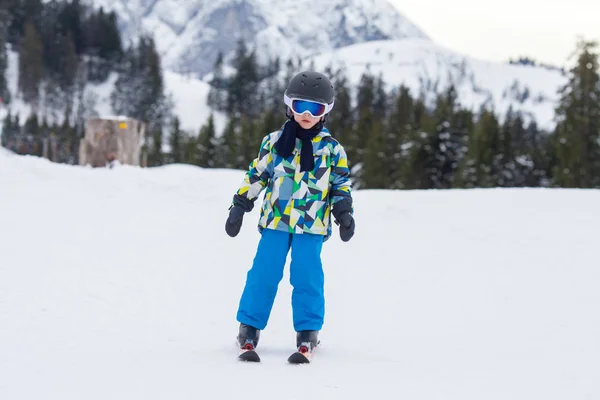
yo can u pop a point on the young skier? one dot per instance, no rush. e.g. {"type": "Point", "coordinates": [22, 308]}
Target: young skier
{"type": "Point", "coordinates": [306, 176]}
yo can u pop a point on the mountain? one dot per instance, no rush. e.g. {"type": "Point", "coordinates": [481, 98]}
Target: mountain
{"type": "Point", "coordinates": [423, 65]}
{"type": "Point", "coordinates": [356, 35]}
{"type": "Point", "coordinates": [190, 34]}
{"type": "Point", "coordinates": [121, 284]}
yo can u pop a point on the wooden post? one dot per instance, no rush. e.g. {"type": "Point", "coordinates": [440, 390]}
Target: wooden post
{"type": "Point", "coordinates": [112, 139]}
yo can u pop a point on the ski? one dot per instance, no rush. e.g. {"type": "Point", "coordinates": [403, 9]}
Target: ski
{"type": "Point", "coordinates": [303, 355]}
{"type": "Point", "coordinates": [248, 353]}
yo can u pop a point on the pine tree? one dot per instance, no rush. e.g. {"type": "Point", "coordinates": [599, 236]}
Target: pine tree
{"type": "Point", "coordinates": [398, 140]}
{"type": "Point", "coordinates": [30, 64]}
{"type": "Point", "coordinates": [537, 148]}
{"type": "Point", "coordinates": [218, 86]}
{"type": "Point", "coordinates": [578, 127]}
{"type": "Point", "coordinates": [176, 142]}
{"type": "Point", "coordinates": [448, 142]}
{"type": "Point", "coordinates": [156, 155]}
{"type": "Point", "coordinates": [376, 169]}
{"type": "Point", "coordinates": [139, 91]}
{"type": "Point", "coordinates": [340, 122]}
{"type": "Point", "coordinates": [69, 64]}
{"type": "Point", "coordinates": [70, 19]}
{"type": "Point", "coordinates": [206, 144]}
{"type": "Point", "coordinates": [478, 168]}
{"type": "Point", "coordinates": [155, 107]}
{"type": "Point", "coordinates": [190, 149]}
{"type": "Point", "coordinates": [6, 131]}
{"type": "Point", "coordinates": [363, 128]}
{"type": "Point", "coordinates": [243, 86]}
{"type": "Point", "coordinates": [227, 149]}
{"type": "Point", "coordinates": [416, 170]}
{"type": "Point", "coordinates": [102, 45]}
{"type": "Point", "coordinates": [4, 90]}
{"type": "Point", "coordinates": [248, 143]}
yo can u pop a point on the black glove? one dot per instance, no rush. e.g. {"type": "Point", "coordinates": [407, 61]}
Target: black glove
{"type": "Point", "coordinates": [240, 206]}
{"type": "Point", "coordinates": [234, 221]}
{"type": "Point", "coordinates": [343, 217]}
{"type": "Point", "coordinates": [346, 223]}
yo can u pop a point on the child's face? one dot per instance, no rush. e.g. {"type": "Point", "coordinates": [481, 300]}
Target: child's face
{"type": "Point", "coordinates": [306, 121]}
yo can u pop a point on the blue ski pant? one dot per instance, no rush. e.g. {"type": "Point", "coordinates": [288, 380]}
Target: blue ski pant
{"type": "Point", "coordinates": [306, 278]}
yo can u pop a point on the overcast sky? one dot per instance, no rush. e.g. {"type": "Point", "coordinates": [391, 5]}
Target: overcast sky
{"type": "Point", "coordinates": [546, 30]}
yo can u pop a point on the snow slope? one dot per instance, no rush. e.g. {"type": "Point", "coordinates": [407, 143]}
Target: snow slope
{"type": "Point", "coordinates": [121, 284]}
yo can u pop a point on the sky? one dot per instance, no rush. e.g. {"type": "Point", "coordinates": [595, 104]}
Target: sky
{"type": "Point", "coordinates": [546, 30]}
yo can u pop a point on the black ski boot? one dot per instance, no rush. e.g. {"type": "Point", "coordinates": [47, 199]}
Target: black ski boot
{"type": "Point", "coordinates": [306, 343]}
{"type": "Point", "coordinates": [307, 337]}
{"type": "Point", "coordinates": [248, 341]}
{"type": "Point", "coordinates": [248, 337]}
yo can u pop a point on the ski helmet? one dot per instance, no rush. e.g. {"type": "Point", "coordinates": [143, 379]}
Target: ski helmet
{"type": "Point", "coordinates": [312, 86]}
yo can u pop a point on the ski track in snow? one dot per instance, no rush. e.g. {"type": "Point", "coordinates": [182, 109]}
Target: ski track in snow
{"type": "Point", "coordinates": [122, 284]}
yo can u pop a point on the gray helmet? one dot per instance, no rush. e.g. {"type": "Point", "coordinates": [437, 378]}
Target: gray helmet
{"type": "Point", "coordinates": [310, 85]}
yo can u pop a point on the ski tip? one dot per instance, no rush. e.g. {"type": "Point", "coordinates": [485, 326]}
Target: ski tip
{"type": "Point", "coordinates": [249, 356]}
{"type": "Point", "coordinates": [298, 358]}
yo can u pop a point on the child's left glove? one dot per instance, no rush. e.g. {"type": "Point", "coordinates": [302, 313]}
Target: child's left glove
{"type": "Point", "coordinates": [342, 211]}
{"type": "Point", "coordinates": [346, 222]}
{"type": "Point", "coordinates": [240, 206]}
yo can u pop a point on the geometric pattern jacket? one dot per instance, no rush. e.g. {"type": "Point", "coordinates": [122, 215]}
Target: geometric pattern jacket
{"type": "Point", "coordinates": [294, 201]}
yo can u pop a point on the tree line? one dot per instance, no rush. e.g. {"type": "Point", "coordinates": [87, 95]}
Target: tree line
{"type": "Point", "coordinates": [63, 48]}
{"type": "Point", "coordinates": [394, 139]}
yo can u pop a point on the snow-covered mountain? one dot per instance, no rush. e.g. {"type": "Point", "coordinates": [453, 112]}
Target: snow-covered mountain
{"type": "Point", "coordinates": [189, 34]}
{"type": "Point", "coordinates": [356, 35]}
{"type": "Point", "coordinates": [423, 65]}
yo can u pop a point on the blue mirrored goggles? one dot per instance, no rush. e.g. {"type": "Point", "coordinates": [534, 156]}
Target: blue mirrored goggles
{"type": "Point", "coordinates": [301, 106]}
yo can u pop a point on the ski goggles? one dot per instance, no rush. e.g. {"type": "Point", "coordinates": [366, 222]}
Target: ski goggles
{"type": "Point", "coordinates": [301, 106]}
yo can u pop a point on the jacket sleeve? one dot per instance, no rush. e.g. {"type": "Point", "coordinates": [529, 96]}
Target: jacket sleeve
{"type": "Point", "coordinates": [341, 186]}
{"type": "Point", "coordinates": [259, 174]}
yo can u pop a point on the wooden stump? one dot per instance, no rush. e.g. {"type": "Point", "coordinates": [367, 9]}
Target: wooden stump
{"type": "Point", "coordinates": [108, 140]}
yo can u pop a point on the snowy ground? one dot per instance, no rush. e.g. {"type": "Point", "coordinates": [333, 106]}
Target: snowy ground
{"type": "Point", "coordinates": [122, 284]}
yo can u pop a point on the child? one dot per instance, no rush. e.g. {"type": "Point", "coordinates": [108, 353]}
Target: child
{"type": "Point", "coordinates": [305, 172]}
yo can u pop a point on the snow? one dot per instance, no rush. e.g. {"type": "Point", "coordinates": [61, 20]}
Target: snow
{"type": "Point", "coordinates": [190, 96]}
{"type": "Point", "coordinates": [413, 61]}
{"type": "Point", "coordinates": [17, 105]}
{"type": "Point", "coordinates": [121, 284]}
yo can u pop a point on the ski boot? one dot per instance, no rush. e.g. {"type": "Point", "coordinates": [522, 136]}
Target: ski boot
{"type": "Point", "coordinates": [247, 338]}
{"type": "Point", "coordinates": [306, 344]}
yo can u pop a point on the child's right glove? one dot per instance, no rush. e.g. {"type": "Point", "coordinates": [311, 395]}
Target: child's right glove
{"type": "Point", "coordinates": [240, 206]}
{"type": "Point", "coordinates": [342, 212]}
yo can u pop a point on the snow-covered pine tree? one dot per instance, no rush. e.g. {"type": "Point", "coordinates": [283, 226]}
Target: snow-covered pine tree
{"type": "Point", "coordinates": [477, 167]}
{"type": "Point", "coordinates": [448, 144]}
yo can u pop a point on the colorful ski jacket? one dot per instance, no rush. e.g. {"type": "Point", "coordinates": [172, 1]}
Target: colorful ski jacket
{"type": "Point", "coordinates": [295, 201]}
